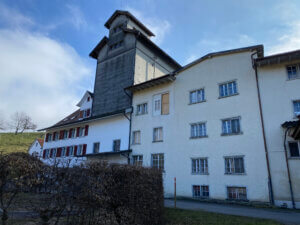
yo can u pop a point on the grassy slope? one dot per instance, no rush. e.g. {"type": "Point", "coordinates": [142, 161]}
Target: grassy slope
{"type": "Point", "coordinates": [188, 217]}
{"type": "Point", "coordinates": [9, 142]}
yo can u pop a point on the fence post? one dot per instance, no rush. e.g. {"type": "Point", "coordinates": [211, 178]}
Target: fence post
{"type": "Point", "coordinates": [174, 192]}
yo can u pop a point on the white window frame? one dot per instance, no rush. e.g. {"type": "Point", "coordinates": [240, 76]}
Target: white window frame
{"type": "Point", "coordinates": [197, 96]}
{"type": "Point", "coordinates": [228, 88]}
{"type": "Point", "coordinates": [137, 160]}
{"type": "Point", "coordinates": [237, 193]}
{"type": "Point", "coordinates": [49, 137]}
{"type": "Point", "coordinates": [79, 150]}
{"type": "Point", "coordinates": [114, 145]}
{"type": "Point", "coordinates": [232, 168]}
{"type": "Point", "coordinates": [63, 151]}
{"type": "Point", "coordinates": [295, 74]}
{"type": "Point", "coordinates": [136, 137]}
{"type": "Point", "coordinates": [200, 166]}
{"type": "Point", "coordinates": [47, 153]}
{"type": "Point", "coordinates": [200, 193]}
{"type": "Point", "coordinates": [227, 126]}
{"type": "Point", "coordinates": [157, 105]}
{"type": "Point", "coordinates": [142, 109]}
{"type": "Point", "coordinates": [54, 153]}
{"type": "Point", "coordinates": [296, 113]}
{"type": "Point", "coordinates": [158, 134]}
{"type": "Point", "coordinates": [98, 147]}
{"type": "Point", "coordinates": [159, 159]}
{"type": "Point", "coordinates": [71, 153]}
{"type": "Point", "coordinates": [198, 130]}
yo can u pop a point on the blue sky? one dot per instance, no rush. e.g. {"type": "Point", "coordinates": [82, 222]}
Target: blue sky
{"type": "Point", "coordinates": [44, 45]}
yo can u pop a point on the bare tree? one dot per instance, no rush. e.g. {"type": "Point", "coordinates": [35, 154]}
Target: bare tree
{"type": "Point", "coordinates": [2, 124]}
{"type": "Point", "coordinates": [20, 122]}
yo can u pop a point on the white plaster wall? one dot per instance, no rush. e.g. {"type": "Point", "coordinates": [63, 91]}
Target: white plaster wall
{"type": "Point", "coordinates": [103, 131]}
{"type": "Point", "coordinates": [86, 104]}
{"type": "Point", "coordinates": [35, 147]}
{"type": "Point", "coordinates": [179, 149]}
{"type": "Point", "coordinates": [277, 94]}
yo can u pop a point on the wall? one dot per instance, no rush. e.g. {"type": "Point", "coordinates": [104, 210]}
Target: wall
{"type": "Point", "coordinates": [35, 147]}
{"type": "Point", "coordinates": [277, 94]}
{"type": "Point", "coordinates": [179, 148]}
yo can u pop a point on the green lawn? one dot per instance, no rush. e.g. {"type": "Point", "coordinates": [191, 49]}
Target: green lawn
{"type": "Point", "coordinates": [188, 217]}
{"type": "Point", "coordinates": [9, 142]}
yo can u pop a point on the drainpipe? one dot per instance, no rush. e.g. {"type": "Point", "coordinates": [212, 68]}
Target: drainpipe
{"type": "Point", "coordinates": [129, 119]}
{"type": "Point", "coordinates": [271, 195]}
{"type": "Point", "coordinates": [288, 168]}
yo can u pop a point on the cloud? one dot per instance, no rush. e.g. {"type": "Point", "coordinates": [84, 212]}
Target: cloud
{"type": "Point", "coordinates": [39, 75]}
{"type": "Point", "coordinates": [76, 17]}
{"type": "Point", "coordinates": [158, 26]}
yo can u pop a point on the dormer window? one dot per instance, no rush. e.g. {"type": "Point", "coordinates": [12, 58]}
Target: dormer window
{"type": "Point", "coordinates": [116, 45]}
{"type": "Point", "coordinates": [88, 99]}
{"type": "Point", "coordinates": [117, 29]}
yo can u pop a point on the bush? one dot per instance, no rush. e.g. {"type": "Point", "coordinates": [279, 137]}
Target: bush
{"type": "Point", "coordinates": [97, 193]}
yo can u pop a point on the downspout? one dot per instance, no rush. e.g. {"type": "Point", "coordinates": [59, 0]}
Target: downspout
{"type": "Point", "coordinates": [271, 195]}
{"type": "Point", "coordinates": [288, 168]}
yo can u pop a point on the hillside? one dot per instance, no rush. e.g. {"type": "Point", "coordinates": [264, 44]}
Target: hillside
{"type": "Point", "coordinates": [9, 142]}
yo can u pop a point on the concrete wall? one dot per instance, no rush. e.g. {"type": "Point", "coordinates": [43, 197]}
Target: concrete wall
{"type": "Point", "coordinates": [179, 148]}
{"type": "Point", "coordinates": [277, 94]}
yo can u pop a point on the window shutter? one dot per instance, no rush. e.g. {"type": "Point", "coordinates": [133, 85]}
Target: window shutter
{"type": "Point", "coordinates": [77, 133]}
{"type": "Point", "coordinates": [88, 112]}
{"type": "Point", "coordinates": [53, 138]}
{"type": "Point", "coordinates": [68, 149]}
{"type": "Point", "coordinates": [70, 133]}
{"type": "Point", "coordinates": [84, 149]}
{"type": "Point", "coordinates": [44, 153]}
{"type": "Point", "coordinates": [58, 153]}
{"type": "Point", "coordinates": [61, 134]}
{"type": "Point", "coordinates": [165, 103]}
{"type": "Point", "coordinates": [81, 114]}
{"type": "Point", "coordinates": [75, 150]}
{"type": "Point", "coordinates": [86, 130]}
{"type": "Point", "coordinates": [47, 136]}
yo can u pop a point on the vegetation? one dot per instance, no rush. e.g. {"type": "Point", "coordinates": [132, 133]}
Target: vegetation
{"type": "Point", "coordinates": [9, 142]}
{"type": "Point", "coordinates": [188, 217]}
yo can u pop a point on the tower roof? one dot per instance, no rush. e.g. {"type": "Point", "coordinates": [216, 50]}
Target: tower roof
{"type": "Point", "coordinates": [133, 18]}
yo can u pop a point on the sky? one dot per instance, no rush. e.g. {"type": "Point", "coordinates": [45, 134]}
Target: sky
{"type": "Point", "coordinates": [45, 66]}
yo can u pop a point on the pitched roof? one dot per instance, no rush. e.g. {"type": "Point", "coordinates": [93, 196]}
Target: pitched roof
{"type": "Point", "coordinates": [133, 18]}
{"type": "Point", "coordinates": [258, 48]}
{"type": "Point", "coordinates": [41, 141]}
{"type": "Point", "coordinates": [284, 57]}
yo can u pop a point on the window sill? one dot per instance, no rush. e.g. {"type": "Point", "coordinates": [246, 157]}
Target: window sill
{"type": "Point", "coordinates": [294, 158]}
{"type": "Point", "coordinates": [141, 114]}
{"type": "Point", "coordinates": [157, 141]}
{"type": "Point", "coordinates": [194, 103]}
{"type": "Point", "coordinates": [232, 134]}
{"type": "Point", "coordinates": [297, 78]}
{"type": "Point", "coordinates": [136, 144]}
{"type": "Point", "coordinates": [199, 137]}
{"type": "Point", "coordinates": [239, 174]}
{"type": "Point", "coordinates": [220, 97]}
{"type": "Point", "coordinates": [237, 200]}
{"type": "Point", "coordinates": [200, 173]}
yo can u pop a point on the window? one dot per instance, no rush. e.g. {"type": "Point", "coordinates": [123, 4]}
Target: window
{"type": "Point", "coordinates": [47, 153]}
{"type": "Point", "coordinates": [96, 147]}
{"type": "Point", "coordinates": [55, 137]}
{"type": "Point", "coordinates": [237, 193]}
{"type": "Point", "coordinates": [54, 150]}
{"type": "Point", "coordinates": [142, 109]}
{"type": "Point", "coordinates": [157, 161]}
{"type": "Point", "coordinates": [200, 191]}
{"type": "Point", "coordinates": [66, 134]}
{"type": "Point", "coordinates": [79, 150]}
{"type": "Point", "coordinates": [234, 165]}
{"type": "Point", "coordinates": [136, 137]}
{"type": "Point", "coordinates": [161, 104]}
{"type": "Point", "coordinates": [197, 96]}
{"type": "Point", "coordinates": [72, 135]}
{"type": "Point", "coordinates": [81, 132]}
{"type": "Point", "coordinates": [71, 151]}
{"type": "Point", "coordinates": [296, 105]}
{"type": "Point", "coordinates": [200, 166]}
{"type": "Point", "coordinates": [157, 134]}
{"type": "Point", "coordinates": [88, 99]}
{"type": "Point", "coordinates": [137, 160]}
{"type": "Point", "coordinates": [63, 151]}
{"type": "Point", "coordinates": [293, 72]}
{"type": "Point", "coordinates": [294, 149]}
{"type": "Point", "coordinates": [228, 89]}
{"type": "Point", "coordinates": [116, 45]}
{"type": "Point", "coordinates": [117, 29]}
{"type": "Point", "coordinates": [86, 113]}
{"type": "Point", "coordinates": [231, 126]}
{"type": "Point", "coordinates": [198, 130]}
{"type": "Point", "coordinates": [49, 137]}
{"type": "Point", "coordinates": [116, 145]}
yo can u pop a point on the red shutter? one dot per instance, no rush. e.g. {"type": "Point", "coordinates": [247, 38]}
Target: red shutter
{"type": "Point", "coordinates": [88, 112]}
{"type": "Point", "coordinates": [70, 133]}
{"type": "Point", "coordinates": [61, 134]}
{"type": "Point", "coordinates": [47, 136]}
{"type": "Point", "coordinates": [44, 153]}
{"type": "Point", "coordinates": [86, 130]}
{"type": "Point", "coordinates": [84, 149]}
{"type": "Point", "coordinates": [53, 138]}
{"type": "Point", "coordinates": [81, 114]}
{"type": "Point", "coordinates": [75, 150]}
{"type": "Point", "coordinates": [68, 149]}
{"type": "Point", "coordinates": [58, 153]}
{"type": "Point", "coordinates": [77, 133]}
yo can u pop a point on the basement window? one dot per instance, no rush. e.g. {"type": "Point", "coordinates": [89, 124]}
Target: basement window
{"type": "Point", "coordinates": [200, 191]}
{"type": "Point", "coordinates": [236, 193]}
{"type": "Point", "coordinates": [294, 149]}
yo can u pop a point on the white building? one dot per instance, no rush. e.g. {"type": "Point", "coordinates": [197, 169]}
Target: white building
{"type": "Point", "coordinates": [225, 126]}
{"type": "Point", "coordinates": [36, 148]}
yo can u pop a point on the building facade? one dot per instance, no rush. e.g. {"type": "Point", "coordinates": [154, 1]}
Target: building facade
{"type": "Point", "coordinates": [225, 126]}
